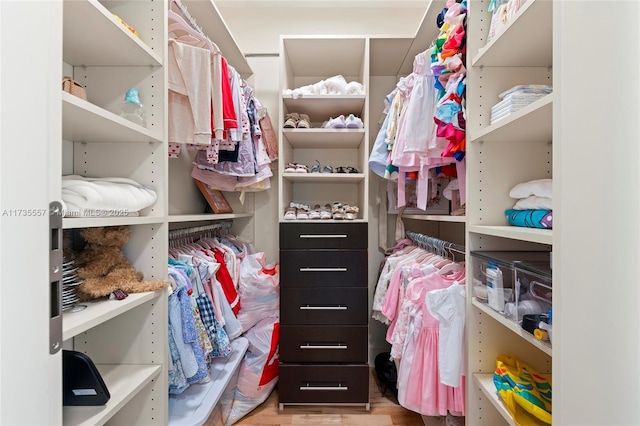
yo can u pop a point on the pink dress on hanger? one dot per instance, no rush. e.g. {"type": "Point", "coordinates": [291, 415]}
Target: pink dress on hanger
{"type": "Point", "coordinates": [419, 386]}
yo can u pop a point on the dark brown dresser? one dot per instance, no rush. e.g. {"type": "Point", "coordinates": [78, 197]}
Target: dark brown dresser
{"type": "Point", "coordinates": [323, 314]}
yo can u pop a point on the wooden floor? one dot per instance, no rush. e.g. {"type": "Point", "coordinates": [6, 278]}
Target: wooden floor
{"type": "Point", "coordinates": [385, 411]}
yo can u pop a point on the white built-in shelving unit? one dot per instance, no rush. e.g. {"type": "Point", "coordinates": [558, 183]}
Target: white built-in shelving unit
{"type": "Point", "coordinates": [127, 340]}
{"type": "Point", "coordinates": [500, 155]}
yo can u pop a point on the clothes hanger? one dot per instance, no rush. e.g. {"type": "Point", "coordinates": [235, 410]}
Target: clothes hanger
{"type": "Point", "coordinates": [185, 33]}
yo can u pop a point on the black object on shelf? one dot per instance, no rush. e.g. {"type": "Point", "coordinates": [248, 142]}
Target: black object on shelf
{"type": "Point", "coordinates": [82, 383]}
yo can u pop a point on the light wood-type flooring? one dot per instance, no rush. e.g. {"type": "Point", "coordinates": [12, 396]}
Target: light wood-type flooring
{"type": "Point", "coordinates": [385, 411]}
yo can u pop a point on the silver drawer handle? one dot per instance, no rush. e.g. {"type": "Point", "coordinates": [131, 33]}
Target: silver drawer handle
{"type": "Point", "coordinates": [323, 269]}
{"type": "Point", "coordinates": [308, 346]}
{"type": "Point", "coordinates": [323, 308]}
{"type": "Point", "coordinates": [322, 388]}
{"type": "Point", "coordinates": [323, 235]}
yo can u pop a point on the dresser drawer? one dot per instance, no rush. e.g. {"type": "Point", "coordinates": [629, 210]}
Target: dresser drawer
{"type": "Point", "coordinates": [315, 235]}
{"type": "Point", "coordinates": [323, 383]}
{"type": "Point", "coordinates": [324, 305]}
{"type": "Point", "coordinates": [306, 343]}
{"type": "Point", "coordinates": [326, 268]}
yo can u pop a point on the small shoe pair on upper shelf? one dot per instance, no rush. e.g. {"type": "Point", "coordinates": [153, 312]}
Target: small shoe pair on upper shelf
{"type": "Point", "coordinates": [295, 120]}
{"type": "Point", "coordinates": [340, 122]}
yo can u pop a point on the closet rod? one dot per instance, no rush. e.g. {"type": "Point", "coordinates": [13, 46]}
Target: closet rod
{"type": "Point", "coordinates": [426, 241]}
{"type": "Point", "coordinates": [194, 230]}
{"type": "Point", "coordinates": [185, 13]}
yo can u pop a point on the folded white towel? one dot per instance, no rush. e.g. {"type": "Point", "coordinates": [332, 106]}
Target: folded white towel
{"type": "Point", "coordinates": [354, 88]}
{"type": "Point", "coordinates": [100, 196]}
{"type": "Point", "coordinates": [336, 85]}
{"type": "Point", "coordinates": [538, 187]}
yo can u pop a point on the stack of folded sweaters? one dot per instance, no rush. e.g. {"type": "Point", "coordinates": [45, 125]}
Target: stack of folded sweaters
{"type": "Point", "coordinates": [517, 98]}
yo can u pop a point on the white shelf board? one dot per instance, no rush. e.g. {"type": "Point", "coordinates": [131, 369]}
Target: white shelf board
{"type": "Point", "coordinates": [320, 108]}
{"type": "Point", "coordinates": [323, 221]}
{"type": "Point", "coordinates": [97, 312]}
{"type": "Point", "coordinates": [123, 382]}
{"type": "Point", "coordinates": [525, 42]}
{"type": "Point", "coordinates": [530, 124]}
{"type": "Point", "coordinates": [485, 383]}
{"type": "Point", "coordinates": [208, 17]}
{"type": "Point", "coordinates": [425, 35]}
{"type": "Point", "coordinates": [436, 218]}
{"type": "Point", "coordinates": [206, 217]}
{"type": "Point", "coordinates": [88, 24]}
{"type": "Point", "coordinates": [323, 177]}
{"type": "Point", "coordinates": [89, 222]}
{"type": "Point", "coordinates": [534, 235]}
{"type": "Point", "coordinates": [539, 344]}
{"type": "Point", "coordinates": [83, 121]}
{"type": "Point", "coordinates": [324, 138]}
{"type": "Point", "coordinates": [193, 406]}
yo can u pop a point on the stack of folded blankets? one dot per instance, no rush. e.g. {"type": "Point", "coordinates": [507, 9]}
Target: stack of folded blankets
{"type": "Point", "coordinates": [101, 197]}
{"type": "Point", "coordinates": [534, 208]}
{"type": "Point", "coordinates": [517, 98]}
{"type": "Point", "coordinates": [336, 85]}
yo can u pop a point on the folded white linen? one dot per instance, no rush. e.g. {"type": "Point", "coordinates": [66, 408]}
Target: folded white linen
{"type": "Point", "coordinates": [534, 203]}
{"type": "Point", "coordinates": [538, 187]}
{"type": "Point", "coordinates": [103, 195]}
{"type": "Point", "coordinates": [354, 88]}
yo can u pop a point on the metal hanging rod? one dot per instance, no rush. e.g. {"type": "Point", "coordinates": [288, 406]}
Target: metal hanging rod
{"type": "Point", "coordinates": [193, 231]}
{"type": "Point", "coordinates": [434, 244]}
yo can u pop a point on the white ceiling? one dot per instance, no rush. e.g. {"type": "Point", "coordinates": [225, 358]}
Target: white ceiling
{"type": "Point", "coordinates": [324, 3]}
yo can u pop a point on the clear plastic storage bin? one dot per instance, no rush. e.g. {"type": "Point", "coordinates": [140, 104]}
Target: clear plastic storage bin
{"type": "Point", "coordinates": [534, 284]}
{"type": "Point", "coordinates": [506, 261]}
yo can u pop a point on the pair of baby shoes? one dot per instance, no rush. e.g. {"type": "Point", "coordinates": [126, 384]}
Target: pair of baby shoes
{"type": "Point", "coordinates": [296, 121]}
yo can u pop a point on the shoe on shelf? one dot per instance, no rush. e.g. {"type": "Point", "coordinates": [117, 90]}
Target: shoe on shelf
{"type": "Point", "coordinates": [335, 123]}
{"type": "Point", "coordinates": [316, 168]}
{"type": "Point", "coordinates": [296, 168]}
{"type": "Point", "coordinates": [337, 211]}
{"type": "Point", "coordinates": [353, 122]}
{"type": "Point", "coordinates": [302, 215]}
{"type": "Point", "coordinates": [303, 122]}
{"type": "Point", "coordinates": [291, 120]}
{"type": "Point", "coordinates": [350, 212]}
{"type": "Point", "coordinates": [325, 212]}
{"type": "Point", "coordinates": [290, 213]}
{"type": "Point", "coordinates": [314, 214]}
{"type": "Point", "coordinates": [327, 169]}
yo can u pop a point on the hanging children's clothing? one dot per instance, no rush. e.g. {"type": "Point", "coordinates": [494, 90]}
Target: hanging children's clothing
{"type": "Point", "coordinates": [420, 295]}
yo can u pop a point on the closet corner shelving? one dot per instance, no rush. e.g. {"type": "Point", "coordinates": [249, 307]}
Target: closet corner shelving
{"type": "Point", "coordinates": [307, 60]}
{"type": "Point", "coordinates": [500, 155]}
{"type": "Point", "coordinates": [127, 340]}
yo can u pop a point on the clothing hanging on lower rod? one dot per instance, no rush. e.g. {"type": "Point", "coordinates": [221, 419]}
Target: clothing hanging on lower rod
{"type": "Point", "coordinates": [420, 295]}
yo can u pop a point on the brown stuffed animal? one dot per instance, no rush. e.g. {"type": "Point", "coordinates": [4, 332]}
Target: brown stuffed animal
{"type": "Point", "coordinates": [104, 268]}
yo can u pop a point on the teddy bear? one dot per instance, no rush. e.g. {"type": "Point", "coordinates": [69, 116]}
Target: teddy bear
{"type": "Point", "coordinates": [103, 267]}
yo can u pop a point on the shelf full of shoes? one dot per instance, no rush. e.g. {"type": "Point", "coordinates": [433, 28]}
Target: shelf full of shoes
{"type": "Point", "coordinates": [324, 144]}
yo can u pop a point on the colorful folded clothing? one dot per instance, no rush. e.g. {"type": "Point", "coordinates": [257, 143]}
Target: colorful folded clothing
{"type": "Point", "coordinates": [530, 218]}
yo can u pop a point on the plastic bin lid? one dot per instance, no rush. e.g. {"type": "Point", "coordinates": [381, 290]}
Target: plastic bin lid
{"type": "Point", "coordinates": [542, 269]}
{"type": "Point", "coordinates": [511, 258]}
